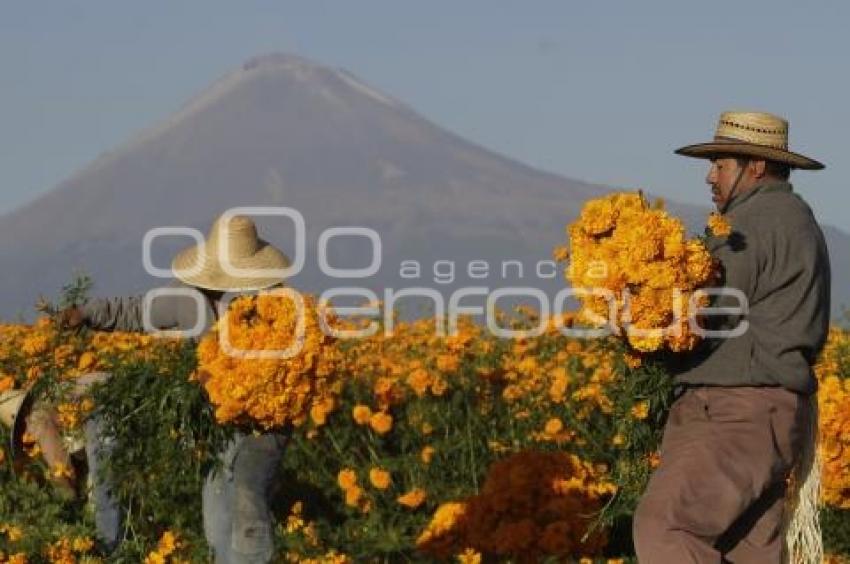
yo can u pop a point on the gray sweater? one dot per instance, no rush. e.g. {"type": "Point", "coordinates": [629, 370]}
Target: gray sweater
{"type": "Point", "coordinates": [777, 256]}
{"type": "Point", "coordinates": [167, 312]}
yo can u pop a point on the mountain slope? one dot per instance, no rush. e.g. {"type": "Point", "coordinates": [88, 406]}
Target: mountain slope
{"type": "Point", "coordinates": [284, 131]}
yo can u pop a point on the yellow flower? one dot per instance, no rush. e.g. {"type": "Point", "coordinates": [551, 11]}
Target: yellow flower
{"type": "Point", "coordinates": [13, 532]}
{"type": "Point", "coordinates": [321, 409]}
{"type": "Point", "coordinates": [381, 422]}
{"type": "Point", "coordinates": [167, 543]}
{"type": "Point", "coordinates": [654, 459]}
{"type": "Point", "coordinates": [6, 383]}
{"type": "Point", "coordinates": [469, 556]}
{"type": "Point", "coordinates": [82, 545]}
{"type": "Point", "coordinates": [294, 522]}
{"type": "Point", "coordinates": [154, 558]}
{"type": "Point", "coordinates": [719, 225]}
{"type": "Point", "coordinates": [271, 392]}
{"type": "Point", "coordinates": [61, 470]}
{"type": "Point", "coordinates": [35, 344]}
{"type": "Point", "coordinates": [632, 360]}
{"type": "Point", "coordinates": [640, 410]}
{"type": "Point", "coordinates": [413, 499]}
{"type": "Point", "coordinates": [444, 519]}
{"type": "Point", "coordinates": [561, 253]}
{"type": "Point", "coordinates": [380, 478]}
{"type": "Point", "coordinates": [427, 454]}
{"type": "Point", "coordinates": [60, 552]}
{"type": "Point", "coordinates": [419, 380]}
{"type": "Point", "coordinates": [553, 426]}
{"type": "Point", "coordinates": [641, 255]}
{"type": "Point", "coordinates": [353, 496]}
{"type": "Point", "coordinates": [598, 216]}
{"type": "Point", "coordinates": [361, 414]}
{"type": "Point", "coordinates": [347, 478]}
{"type": "Point", "coordinates": [87, 361]}
{"type": "Point", "coordinates": [447, 362]}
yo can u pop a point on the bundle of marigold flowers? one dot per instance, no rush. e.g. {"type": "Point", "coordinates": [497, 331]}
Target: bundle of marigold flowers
{"type": "Point", "coordinates": [834, 419]}
{"type": "Point", "coordinates": [270, 390]}
{"type": "Point", "coordinates": [642, 257]}
{"type": "Point", "coordinates": [533, 504]}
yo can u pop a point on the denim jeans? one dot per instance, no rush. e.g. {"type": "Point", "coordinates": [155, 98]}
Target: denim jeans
{"type": "Point", "coordinates": [107, 514]}
{"type": "Point", "coordinates": [237, 519]}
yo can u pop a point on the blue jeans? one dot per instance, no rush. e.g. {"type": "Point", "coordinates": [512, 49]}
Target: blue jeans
{"type": "Point", "coordinates": [107, 514]}
{"type": "Point", "coordinates": [237, 519]}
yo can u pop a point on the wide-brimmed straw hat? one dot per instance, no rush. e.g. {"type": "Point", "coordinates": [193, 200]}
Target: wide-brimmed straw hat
{"type": "Point", "coordinates": [234, 237]}
{"type": "Point", "coordinates": [14, 407]}
{"type": "Point", "coordinates": [751, 134]}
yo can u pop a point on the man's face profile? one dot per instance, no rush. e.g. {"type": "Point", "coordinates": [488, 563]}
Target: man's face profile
{"type": "Point", "coordinates": [721, 177]}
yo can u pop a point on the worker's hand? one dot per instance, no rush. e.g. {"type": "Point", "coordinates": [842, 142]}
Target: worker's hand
{"type": "Point", "coordinates": [71, 317]}
{"type": "Point", "coordinates": [43, 305]}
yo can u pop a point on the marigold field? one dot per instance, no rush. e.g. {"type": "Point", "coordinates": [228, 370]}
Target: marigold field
{"type": "Point", "coordinates": [410, 445]}
{"type": "Point", "coordinates": [460, 448]}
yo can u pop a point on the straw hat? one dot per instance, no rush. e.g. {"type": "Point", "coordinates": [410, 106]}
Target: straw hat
{"type": "Point", "coordinates": [237, 239]}
{"type": "Point", "coordinates": [14, 406]}
{"type": "Point", "coordinates": [751, 134]}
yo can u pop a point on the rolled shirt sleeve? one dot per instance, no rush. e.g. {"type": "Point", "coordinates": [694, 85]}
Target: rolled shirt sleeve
{"type": "Point", "coordinates": [170, 311]}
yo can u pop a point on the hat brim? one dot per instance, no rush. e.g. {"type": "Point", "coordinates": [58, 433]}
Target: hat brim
{"type": "Point", "coordinates": [17, 404]}
{"type": "Point", "coordinates": [211, 275]}
{"type": "Point", "coordinates": [20, 425]}
{"type": "Point", "coordinates": [719, 148]}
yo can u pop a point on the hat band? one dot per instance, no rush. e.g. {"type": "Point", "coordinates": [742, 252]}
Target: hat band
{"type": "Point", "coordinates": [735, 141]}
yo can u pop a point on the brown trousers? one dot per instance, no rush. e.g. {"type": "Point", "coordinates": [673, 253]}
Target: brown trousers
{"type": "Point", "coordinates": [718, 494]}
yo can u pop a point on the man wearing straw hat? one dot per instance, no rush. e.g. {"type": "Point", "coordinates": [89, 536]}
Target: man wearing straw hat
{"type": "Point", "coordinates": [237, 520]}
{"type": "Point", "coordinates": [744, 415]}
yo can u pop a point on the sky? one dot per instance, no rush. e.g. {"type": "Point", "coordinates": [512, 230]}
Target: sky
{"type": "Point", "coordinates": [599, 91]}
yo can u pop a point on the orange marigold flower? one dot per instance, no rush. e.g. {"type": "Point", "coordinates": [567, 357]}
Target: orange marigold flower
{"type": "Point", "coordinates": [361, 414]}
{"type": "Point", "coordinates": [13, 532]}
{"type": "Point", "coordinates": [419, 380]}
{"type": "Point", "coordinates": [87, 361]}
{"type": "Point", "coordinates": [381, 422]}
{"type": "Point", "coordinates": [380, 478]}
{"type": "Point", "coordinates": [271, 391]}
{"type": "Point", "coordinates": [553, 426]}
{"type": "Point", "coordinates": [81, 545]}
{"type": "Point", "coordinates": [469, 556]}
{"type": "Point", "coordinates": [347, 478]}
{"type": "Point", "coordinates": [353, 496]}
{"type": "Point", "coordinates": [654, 459]}
{"type": "Point", "coordinates": [6, 383]}
{"type": "Point", "coordinates": [719, 225]}
{"type": "Point", "coordinates": [413, 499]}
{"type": "Point", "coordinates": [443, 521]}
{"type": "Point", "coordinates": [640, 410]}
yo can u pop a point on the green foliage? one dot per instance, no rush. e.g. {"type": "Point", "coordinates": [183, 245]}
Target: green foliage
{"type": "Point", "coordinates": [164, 438]}
{"type": "Point", "coordinates": [835, 524]}
{"type": "Point", "coordinates": [28, 502]}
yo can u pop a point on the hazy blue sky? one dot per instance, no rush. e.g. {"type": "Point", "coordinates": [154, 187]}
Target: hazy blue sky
{"type": "Point", "coordinates": [596, 90]}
